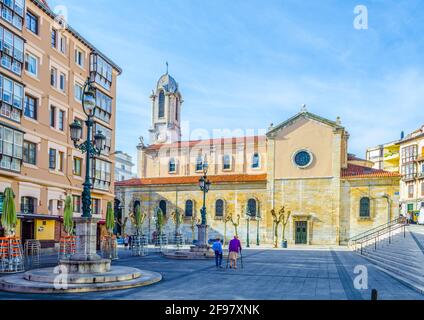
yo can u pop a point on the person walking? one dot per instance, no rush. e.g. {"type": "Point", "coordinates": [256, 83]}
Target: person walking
{"type": "Point", "coordinates": [126, 241]}
{"type": "Point", "coordinates": [217, 248]}
{"type": "Point", "coordinates": [234, 249]}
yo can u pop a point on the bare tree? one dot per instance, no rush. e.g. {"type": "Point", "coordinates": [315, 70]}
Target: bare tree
{"type": "Point", "coordinates": [281, 217]}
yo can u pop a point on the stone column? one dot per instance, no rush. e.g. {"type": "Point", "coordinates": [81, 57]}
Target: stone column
{"type": "Point", "coordinates": [86, 234]}
{"type": "Point", "coordinates": [202, 235]}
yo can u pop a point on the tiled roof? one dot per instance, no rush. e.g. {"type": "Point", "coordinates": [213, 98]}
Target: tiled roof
{"type": "Point", "coordinates": [355, 171]}
{"type": "Point", "coordinates": [208, 142]}
{"type": "Point", "coordinates": [353, 157]}
{"type": "Point", "coordinates": [192, 180]}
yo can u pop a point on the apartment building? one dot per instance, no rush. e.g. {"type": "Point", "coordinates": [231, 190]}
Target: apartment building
{"type": "Point", "coordinates": [412, 170]}
{"type": "Point", "coordinates": [44, 65]}
{"type": "Point", "coordinates": [123, 166]}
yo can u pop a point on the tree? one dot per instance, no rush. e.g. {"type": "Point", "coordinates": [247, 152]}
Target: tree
{"type": "Point", "coordinates": [178, 220]}
{"type": "Point", "coordinates": [68, 222]}
{"type": "Point", "coordinates": [9, 218]}
{"type": "Point", "coordinates": [160, 221]}
{"type": "Point", "coordinates": [138, 219]}
{"type": "Point", "coordinates": [280, 217]}
{"type": "Point", "coordinates": [227, 218]}
{"type": "Point", "coordinates": [194, 221]}
{"type": "Point", "coordinates": [235, 223]}
{"type": "Point", "coordinates": [110, 218]}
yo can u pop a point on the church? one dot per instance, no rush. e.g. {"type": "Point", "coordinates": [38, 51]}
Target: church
{"type": "Point", "coordinates": [302, 164]}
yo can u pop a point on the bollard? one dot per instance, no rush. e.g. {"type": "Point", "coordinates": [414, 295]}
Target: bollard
{"type": "Point", "coordinates": [374, 295]}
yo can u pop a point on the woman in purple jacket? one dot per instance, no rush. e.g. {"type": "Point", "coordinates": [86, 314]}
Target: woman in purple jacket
{"type": "Point", "coordinates": [234, 249]}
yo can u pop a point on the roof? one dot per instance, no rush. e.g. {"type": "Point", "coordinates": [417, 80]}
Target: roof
{"type": "Point", "coordinates": [240, 178]}
{"type": "Point", "coordinates": [307, 115]}
{"type": "Point", "coordinates": [208, 142]}
{"type": "Point", "coordinates": [356, 171]}
{"type": "Point", "coordinates": [43, 5]}
{"type": "Point", "coordinates": [167, 83]}
{"type": "Point", "coordinates": [353, 157]}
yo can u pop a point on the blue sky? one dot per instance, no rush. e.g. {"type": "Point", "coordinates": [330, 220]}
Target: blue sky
{"type": "Point", "coordinates": [245, 64]}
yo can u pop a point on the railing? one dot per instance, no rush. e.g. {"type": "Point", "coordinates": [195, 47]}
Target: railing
{"type": "Point", "coordinates": [375, 235]}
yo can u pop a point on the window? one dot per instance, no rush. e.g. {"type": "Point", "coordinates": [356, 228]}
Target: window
{"type": "Point", "coordinates": [162, 206]}
{"type": "Point", "coordinates": [61, 120]}
{"type": "Point", "coordinates": [252, 208]}
{"type": "Point", "coordinates": [30, 109]}
{"type": "Point", "coordinates": [77, 167]}
{"type": "Point", "coordinates": [52, 159]}
{"type": "Point", "coordinates": [102, 174]}
{"type": "Point", "coordinates": [32, 22]}
{"type": "Point", "coordinates": [199, 163]}
{"type": "Point", "coordinates": [364, 210]}
{"type": "Point", "coordinates": [227, 162]}
{"type": "Point", "coordinates": [61, 161]}
{"type": "Point", "coordinates": [31, 64]}
{"type": "Point", "coordinates": [76, 203]}
{"type": "Point", "coordinates": [11, 94]}
{"type": "Point", "coordinates": [54, 38]}
{"type": "Point", "coordinates": [219, 208]}
{"type": "Point", "coordinates": [53, 117]}
{"type": "Point", "coordinates": [101, 71]}
{"type": "Point", "coordinates": [176, 109]}
{"type": "Point", "coordinates": [256, 161]}
{"type": "Point", "coordinates": [189, 208]}
{"type": "Point", "coordinates": [62, 45]}
{"type": "Point", "coordinates": [408, 156]}
{"type": "Point", "coordinates": [422, 189]}
{"type": "Point", "coordinates": [53, 77]}
{"type": "Point", "coordinates": [62, 82]}
{"type": "Point", "coordinates": [103, 110]}
{"type": "Point", "coordinates": [79, 58]}
{"type": "Point", "coordinates": [28, 205]}
{"type": "Point", "coordinates": [12, 47]}
{"type": "Point", "coordinates": [13, 12]}
{"type": "Point", "coordinates": [11, 148]}
{"type": "Point", "coordinates": [172, 166]}
{"type": "Point", "coordinates": [108, 134]}
{"type": "Point", "coordinates": [410, 207]}
{"type": "Point", "coordinates": [30, 153]}
{"type": "Point", "coordinates": [411, 190]}
{"type": "Point", "coordinates": [161, 111]}
{"type": "Point", "coordinates": [78, 89]}
{"type": "Point", "coordinates": [95, 206]}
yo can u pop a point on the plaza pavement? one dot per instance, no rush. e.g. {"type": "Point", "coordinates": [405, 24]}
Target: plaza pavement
{"type": "Point", "coordinates": [302, 273]}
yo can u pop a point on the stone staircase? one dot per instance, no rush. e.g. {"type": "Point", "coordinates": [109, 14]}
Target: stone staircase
{"type": "Point", "coordinates": [401, 258]}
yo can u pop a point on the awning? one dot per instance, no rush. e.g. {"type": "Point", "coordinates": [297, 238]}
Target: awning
{"type": "Point", "coordinates": [37, 216]}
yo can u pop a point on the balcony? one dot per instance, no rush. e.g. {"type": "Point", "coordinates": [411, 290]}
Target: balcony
{"type": "Point", "coordinates": [28, 209]}
{"type": "Point", "coordinates": [391, 156]}
{"type": "Point", "coordinates": [421, 175]}
{"type": "Point", "coordinates": [420, 158]}
{"type": "Point", "coordinates": [409, 177]}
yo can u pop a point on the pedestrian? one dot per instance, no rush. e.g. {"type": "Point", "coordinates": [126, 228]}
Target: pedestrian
{"type": "Point", "coordinates": [126, 241]}
{"type": "Point", "coordinates": [130, 241]}
{"type": "Point", "coordinates": [217, 248]}
{"type": "Point", "coordinates": [234, 249]}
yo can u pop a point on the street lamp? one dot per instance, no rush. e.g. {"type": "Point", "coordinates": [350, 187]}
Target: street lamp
{"type": "Point", "coordinates": [91, 147]}
{"type": "Point", "coordinates": [204, 185]}
{"type": "Point", "coordinates": [248, 217]}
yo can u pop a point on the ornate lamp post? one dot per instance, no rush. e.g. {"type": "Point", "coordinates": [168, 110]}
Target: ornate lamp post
{"type": "Point", "coordinates": [248, 217]}
{"type": "Point", "coordinates": [258, 220]}
{"type": "Point", "coordinates": [204, 185]}
{"type": "Point", "coordinates": [87, 225]}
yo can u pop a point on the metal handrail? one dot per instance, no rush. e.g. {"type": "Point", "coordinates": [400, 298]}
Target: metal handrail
{"type": "Point", "coordinates": [371, 231]}
{"type": "Point", "coordinates": [375, 236]}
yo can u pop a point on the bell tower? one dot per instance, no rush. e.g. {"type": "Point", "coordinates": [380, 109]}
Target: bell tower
{"type": "Point", "coordinates": [166, 111]}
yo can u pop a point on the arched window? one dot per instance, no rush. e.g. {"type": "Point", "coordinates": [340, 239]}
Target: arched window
{"type": "Point", "coordinates": [161, 111]}
{"type": "Point", "coordinates": [256, 161]}
{"type": "Point", "coordinates": [219, 208]}
{"type": "Point", "coordinates": [172, 165]}
{"type": "Point", "coordinates": [162, 206]}
{"type": "Point", "coordinates": [252, 207]}
{"type": "Point", "coordinates": [364, 211]}
{"type": "Point", "coordinates": [189, 208]}
{"type": "Point", "coordinates": [227, 162]}
{"type": "Point", "coordinates": [199, 163]}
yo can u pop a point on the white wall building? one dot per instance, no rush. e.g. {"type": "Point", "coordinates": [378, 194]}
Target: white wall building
{"type": "Point", "coordinates": [124, 166]}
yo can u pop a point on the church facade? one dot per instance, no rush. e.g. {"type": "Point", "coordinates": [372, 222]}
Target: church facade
{"type": "Point", "coordinates": [301, 164]}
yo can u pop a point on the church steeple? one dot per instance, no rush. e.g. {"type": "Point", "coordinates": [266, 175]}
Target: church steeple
{"type": "Point", "coordinates": [166, 111]}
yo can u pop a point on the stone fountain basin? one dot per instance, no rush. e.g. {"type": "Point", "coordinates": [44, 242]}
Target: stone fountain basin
{"type": "Point", "coordinates": [115, 275]}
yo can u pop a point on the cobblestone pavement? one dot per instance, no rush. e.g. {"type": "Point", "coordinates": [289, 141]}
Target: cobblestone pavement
{"type": "Point", "coordinates": [305, 274]}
